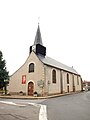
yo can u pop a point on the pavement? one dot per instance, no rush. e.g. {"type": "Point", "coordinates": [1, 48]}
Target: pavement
{"type": "Point", "coordinates": [32, 97]}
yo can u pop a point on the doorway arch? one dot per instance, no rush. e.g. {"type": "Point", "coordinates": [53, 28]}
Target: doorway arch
{"type": "Point", "coordinates": [30, 88]}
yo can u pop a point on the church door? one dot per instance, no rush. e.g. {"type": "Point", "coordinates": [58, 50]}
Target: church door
{"type": "Point", "coordinates": [30, 88]}
{"type": "Point", "coordinates": [68, 89]}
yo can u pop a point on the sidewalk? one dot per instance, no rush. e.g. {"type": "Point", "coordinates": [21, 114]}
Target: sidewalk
{"type": "Point", "coordinates": [32, 97]}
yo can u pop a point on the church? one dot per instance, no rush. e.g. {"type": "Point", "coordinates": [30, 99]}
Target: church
{"type": "Point", "coordinates": [43, 75]}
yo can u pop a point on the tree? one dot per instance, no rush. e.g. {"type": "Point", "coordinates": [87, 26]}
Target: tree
{"type": "Point", "coordinates": [4, 74]}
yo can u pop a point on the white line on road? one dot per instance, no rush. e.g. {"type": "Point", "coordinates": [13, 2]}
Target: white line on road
{"type": "Point", "coordinates": [42, 113]}
{"type": "Point", "coordinates": [11, 103]}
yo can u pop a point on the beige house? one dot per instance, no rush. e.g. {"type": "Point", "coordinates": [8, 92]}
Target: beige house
{"type": "Point", "coordinates": [43, 74]}
{"type": "Point", "coordinates": [86, 85]}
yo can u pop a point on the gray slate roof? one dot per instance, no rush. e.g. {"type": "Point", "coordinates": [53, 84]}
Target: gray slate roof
{"type": "Point", "coordinates": [51, 62]}
{"type": "Point", "coordinates": [38, 38]}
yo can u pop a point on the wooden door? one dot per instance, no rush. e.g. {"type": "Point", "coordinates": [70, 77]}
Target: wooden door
{"type": "Point", "coordinates": [73, 88]}
{"type": "Point", "coordinates": [68, 89]}
{"type": "Point", "coordinates": [30, 88]}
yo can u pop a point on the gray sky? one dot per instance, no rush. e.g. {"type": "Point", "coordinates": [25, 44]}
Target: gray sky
{"type": "Point", "coordinates": [65, 30]}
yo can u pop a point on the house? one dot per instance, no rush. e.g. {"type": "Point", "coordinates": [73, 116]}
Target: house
{"type": "Point", "coordinates": [43, 74]}
{"type": "Point", "coordinates": [86, 85]}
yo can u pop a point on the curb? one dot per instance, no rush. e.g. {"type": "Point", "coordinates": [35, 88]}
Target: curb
{"type": "Point", "coordinates": [29, 97]}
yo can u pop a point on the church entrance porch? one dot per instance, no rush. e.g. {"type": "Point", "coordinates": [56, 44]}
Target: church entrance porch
{"type": "Point", "coordinates": [30, 88]}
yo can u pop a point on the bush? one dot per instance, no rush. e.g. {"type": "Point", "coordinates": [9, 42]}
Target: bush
{"type": "Point", "coordinates": [21, 92]}
{"type": "Point", "coordinates": [35, 94]}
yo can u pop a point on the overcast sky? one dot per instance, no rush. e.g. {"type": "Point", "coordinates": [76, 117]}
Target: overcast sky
{"type": "Point", "coordinates": [65, 30]}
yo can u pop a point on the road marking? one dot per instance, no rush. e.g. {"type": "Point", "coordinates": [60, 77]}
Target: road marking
{"type": "Point", "coordinates": [35, 104]}
{"type": "Point", "coordinates": [42, 112]}
{"type": "Point", "coordinates": [11, 103]}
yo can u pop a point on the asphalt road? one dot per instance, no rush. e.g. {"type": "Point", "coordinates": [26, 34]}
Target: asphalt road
{"type": "Point", "coordinates": [15, 109]}
{"type": "Point", "coordinates": [70, 107]}
{"type": "Point", "coordinates": [13, 112]}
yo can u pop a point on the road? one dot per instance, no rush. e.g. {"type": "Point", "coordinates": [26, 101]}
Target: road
{"type": "Point", "coordinates": [16, 109]}
{"type": "Point", "coordinates": [70, 107]}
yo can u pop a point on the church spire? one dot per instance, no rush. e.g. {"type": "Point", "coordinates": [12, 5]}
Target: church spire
{"type": "Point", "coordinates": [38, 47]}
{"type": "Point", "coordinates": [38, 38]}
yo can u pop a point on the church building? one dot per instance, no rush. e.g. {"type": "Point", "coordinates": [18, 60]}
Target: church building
{"type": "Point", "coordinates": [43, 75]}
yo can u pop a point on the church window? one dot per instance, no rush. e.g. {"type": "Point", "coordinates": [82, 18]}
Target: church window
{"type": "Point", "coordinates": [54, 76]}
{"type": "Point", "coordinates": [73, 79]}
{"type": "Point", "coordinates": [67, 78]}
{"type": "Point", "coordinates": [77, 80]}
{"type": "Point", "coordinates": [31, 67]}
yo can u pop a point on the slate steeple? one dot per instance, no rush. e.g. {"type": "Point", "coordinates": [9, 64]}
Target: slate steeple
{"type": "Point", "coordinates": [38, 47]}
{"type": "Point", "coordinates": [38, 38]}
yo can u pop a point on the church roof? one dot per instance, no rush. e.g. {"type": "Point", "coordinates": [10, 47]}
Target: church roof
{"type": "Point", "coordinates": [38, 38]}
{"type": "Point", "coordinates": [51, 62]}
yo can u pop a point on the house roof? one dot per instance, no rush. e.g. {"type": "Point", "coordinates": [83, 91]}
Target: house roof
{"type": "Point", "coordinates": [51, 62]}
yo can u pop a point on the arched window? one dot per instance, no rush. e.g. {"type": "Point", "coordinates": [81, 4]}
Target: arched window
{"type": "Point", "coordinates": [73, 79]}
{"type": "Point", "coordinates": [31, 67]}
{"type": "Point", "coordinates": [77, 80]}
{"type": "Point", "coordinates": [67, 78]}
{"type": "Point", "coordinates": [54, 76]}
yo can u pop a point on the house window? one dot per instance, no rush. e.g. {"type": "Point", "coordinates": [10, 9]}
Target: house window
{"type": "Point", "coordinates": [31, 67]}
{"type": "Point", "coordinates": [67, 78]}
{"type": "Point", "coordinates": [54, 76]}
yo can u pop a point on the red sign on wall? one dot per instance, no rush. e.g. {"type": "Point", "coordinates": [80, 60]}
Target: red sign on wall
{"type": "Point", "coordinates": [23, 79]}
